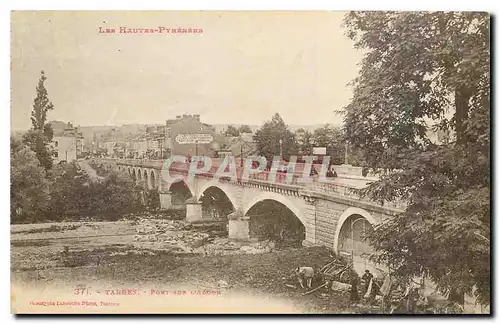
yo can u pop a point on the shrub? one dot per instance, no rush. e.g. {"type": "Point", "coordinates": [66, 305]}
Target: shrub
{"type": "Point", "coordinates": [29, 194]}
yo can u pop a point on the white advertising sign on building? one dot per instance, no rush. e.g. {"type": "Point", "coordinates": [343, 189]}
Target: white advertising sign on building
{"type": "Point", "coordinates": [319, 150]}
{"type": "Point", "coordinates": [194, 138]}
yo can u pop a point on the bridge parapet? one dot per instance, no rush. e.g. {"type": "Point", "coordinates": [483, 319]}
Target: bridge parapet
{"type": "Point", "coordinates": [154, 164]}
{"type": "Point", "coordinates": [348, 191]}
{"type": "Point", "coordinates": [345, 187]}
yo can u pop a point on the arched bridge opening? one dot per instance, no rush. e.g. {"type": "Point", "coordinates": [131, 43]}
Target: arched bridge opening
{"type": "Point", "coordinates": [153, 183]}
{"type": "Point", "coordinates": [180, 194]}
{"type": "Point", "coordinates": [272, 220]}
{"type": "Point", "coordinates": [145, 178]}
{"type": "Point", "coordinates": [353, 242]}
{"type": "Point", "coordinates": [353, 237]}
{"type": "Point", "coordinates": [215, 204]}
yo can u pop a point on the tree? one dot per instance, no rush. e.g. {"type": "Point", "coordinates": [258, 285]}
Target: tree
{"type": "Point", "coordinates": [116, 196]}
{"type": "Point", "coordinates": [268, 139]}
{"type": "Point", "coordinates": [331, 138]}
{"type": "Point", "coordinates": [74, 195]}
{"type": "Point", "coordinates": [304, 140]}
{"type": "Point", "coordinates": [16, 145]}
{"type": "Point", "coordinates": [70, 192]}
{"type": "Point", "coordinates": [418, 66]}
{"type": "Point", "coordinates": [232, 131]}
{"type": "Point", "coordinates": [29, 193]}
{"type": "Point", "coordinates": [40, 135]}
{"type": "Point", "coordinates": [244, 129]}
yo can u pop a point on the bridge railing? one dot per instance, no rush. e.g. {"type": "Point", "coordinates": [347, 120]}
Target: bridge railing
{"type": "Point", "coordinates": [347, 191]}
{"type": "Point", "coordinates": [297, 178]}
{"type": "Point", "coordinates": [338, 186]}
{"type": "Point", "coordinates": [156, 164]}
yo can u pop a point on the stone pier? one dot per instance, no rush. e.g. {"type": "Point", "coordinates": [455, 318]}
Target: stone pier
{"type": "Point", "coordinates": [194, 211]}
{"type": "Point", "coordinates": [165, 200]}
{"type": "Point", "coordinates": [239, 226]}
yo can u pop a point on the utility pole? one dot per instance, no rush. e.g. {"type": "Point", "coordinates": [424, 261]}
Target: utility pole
{"type": "Point", "coordinates": [196, 147]}
{"type": "Point", "coordinates": [241, 154]}
{"type": "Point", "coordinates": [346, 161]}
{"type": "Point", "coordinates": [281, 148]}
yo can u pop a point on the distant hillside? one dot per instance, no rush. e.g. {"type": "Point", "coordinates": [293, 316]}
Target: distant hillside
{"type": "Point", "coordinates": [309, 128]}
{"type": "Point", "coordinates": [222, 127]}
{"type": "Point", "coordinates": [92, 133]}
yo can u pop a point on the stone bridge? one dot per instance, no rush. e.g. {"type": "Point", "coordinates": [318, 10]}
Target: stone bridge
{"type": "Point", "coordinates": [329, 213]}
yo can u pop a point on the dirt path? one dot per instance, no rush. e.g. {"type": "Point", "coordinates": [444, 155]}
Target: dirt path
{"type": "Point", "coordinates": [89, 170]}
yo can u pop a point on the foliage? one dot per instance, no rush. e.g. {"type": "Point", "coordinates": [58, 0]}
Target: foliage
{"type": "Point", "coordinates": [331, 138]}
{"type": "Point", "coordinates": [40, 135]}
{"type": "Point", "coordinates": [268, 139]}
{"type": "Point", "coordinates": [152, 199]}
{"type": "Point", "coordinates": [421, 72]}
{"type": "Point", "coordinates": [232, 131]}
{"type": "Point", "coordinates": [115, 196]}
{"type": "Point", "coordinates": [305, 141]}
{"type": "Point", "coordinates": [244, 129]}
{"type": "Point", "coordinates": [16, 145]}
{"type": "Point", "coordinates": [29, 195]}
{"type": "Point", "coordinates": [69, 192]}
{"type": "Point", "coordinates": [40, 192]}
{"type": "Point", "coordinates": [327, 136]}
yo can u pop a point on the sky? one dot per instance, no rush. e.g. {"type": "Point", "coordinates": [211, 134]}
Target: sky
{"type": "Point", "coordinates": [243, 67]}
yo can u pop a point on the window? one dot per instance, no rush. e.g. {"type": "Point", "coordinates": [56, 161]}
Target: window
{"type": "Point", "coordinates": [56, 154]}
{"type": "Point", "coordinates": [56, 143]}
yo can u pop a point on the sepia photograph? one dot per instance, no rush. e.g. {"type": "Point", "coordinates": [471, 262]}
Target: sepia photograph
{"type": "Point", "coordinates": [250, 162]}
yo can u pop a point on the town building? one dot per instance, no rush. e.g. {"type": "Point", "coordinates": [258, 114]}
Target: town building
{"type": "Point", "coordinates": [148, 145]}
{"type": "Point", "coordinates": [67, 142]}
{"type": "Point", "coordinates": [187, 135]}
{"type": "Point", "coordinates": [240, 146]}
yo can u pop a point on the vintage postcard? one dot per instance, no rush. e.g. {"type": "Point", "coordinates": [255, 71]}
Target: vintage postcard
{"type": "Point", "coordinates": [250, 162]}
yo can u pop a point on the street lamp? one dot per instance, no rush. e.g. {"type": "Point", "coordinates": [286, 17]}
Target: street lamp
{"type": "Point", "coordinates": [281, 147]}
{"type": "Point", "coordinates": [346, 160]}
{"type": "Point", "coordinates": [241, 154]}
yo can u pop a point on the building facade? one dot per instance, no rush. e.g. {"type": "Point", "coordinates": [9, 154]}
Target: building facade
{"type": "Point", "coordinates": [183, 133]}
{"type": "Point", "coordinates": [67, 142]}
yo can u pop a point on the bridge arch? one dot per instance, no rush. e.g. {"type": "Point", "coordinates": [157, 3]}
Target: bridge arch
{"type": "Point", "coordinates": [171, 185]}
{"type": "Point", "coordinates": [153, 181]}
{"type": "Point", "coordinates": [217, 200]}
{"type": "Point", "coordinates": [275, 217]}
{"type": "Point", "coordinates": [278, 198]}
{"type": "Point", "coordinates": [216, 184]}
{"type": "Point", "coordinates": [348, 219]}
{"type": "Point", "coordinates": [145, 177]}
{"type": "Point", "coordinates": [180, 192]}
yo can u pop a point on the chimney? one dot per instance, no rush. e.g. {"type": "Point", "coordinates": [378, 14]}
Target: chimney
{"type": "Point", "coordinates": [178, 117]}
{"type": "Point", "coordinates": [197, 117]}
